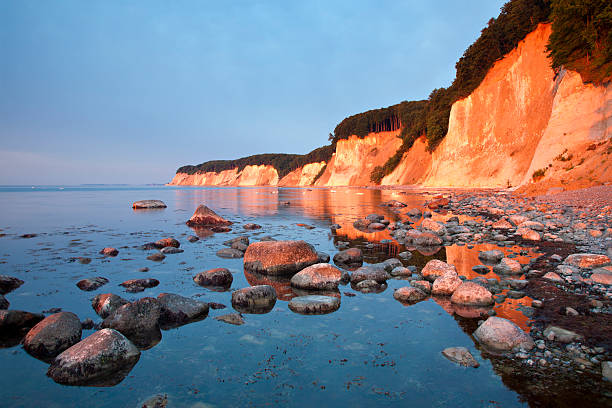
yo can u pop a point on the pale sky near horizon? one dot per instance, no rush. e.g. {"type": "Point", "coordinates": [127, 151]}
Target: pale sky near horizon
{"type": "Point", "coordinates": [128, 91]}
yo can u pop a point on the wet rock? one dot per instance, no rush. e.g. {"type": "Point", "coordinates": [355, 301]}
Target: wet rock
{"type": "Point", "coordinates": [587, 260]}
{"type": "Point", "coordinates": [243, 239]}
{"type": "Point", "coordinates": [205, 217]}
{"type": "Point", "coordinates": [517, 219]}
{"type": "Point", "coordinates": [400, 271]}
{"type": "Point", "coordinates": [507, 266]}
{"type": "Point", "coordinates": [528, 234]}
{"type": "Point", "coordinates": [52, 335]}
{"type": "Point", "coordinates": [471, 294]}
{"type": "Point", "coordinates": [84, 260]}
{"type": "Point", "coordinates": [178, 310]}
{"type": "Point", "coordinates": [602, 276]}
{"type": "Point", "coordinates": [229, 253]}
{"type": "Point", "coordinates": [91, 283]}
{"type": "Point", "coordinates": [390, 264]}
{"type": "Point", "coordinates": [433, 226]}
{"type": "Point", "coordinates": [139, 285]}
{"type": "Point", "coordinates": [438, 202]}
{"type": "Point", "coordinates": [156, 401]}
{"type": "Point", "coordinates": [216, 306]}
{"type": "Point", "coordinates": [323, 257]}
{"type": "Point", "coordinates": [500, 335]}
{"type": "Point", "coordinates": [351, 257]}
{"type": "Point", "coordinates": [377, 226]}
{"type": "Point", "coordinates": [446, 285]}
{"type": "Point", "coordinates": [87, 324]}
{"type": "Point", "coordinates": [279, 257]}
{"type": "Point", "coordinates": [239, 246]}
{"type": "Point", "coordinates": [369, 272]}
{"type": "Point", "coordinates": [606, 370]}
{"type": "Point", "coordinates": [405, 255]}
{"type": "Point", "coordinates": [13, 320]}
{"type": "Point", "coordinates": [554, 333]}
{"type": "Point", "coordinates": [148, 204]}
{"type": "Point", "coordinates": [192, 238]}
{"type": "Point", "coordinates": [502, 224]}
{"type": "Point", "coordinates": [4, 304]}
{"type": "Point", "coordinates": [255, 299]}
{"type": "Point", "coordinates": [551, 276]}
{"type": "Point", "coordinates": [104, 358]}
{"type": "Point", "coordinates": [408, 294]}
{"type": "Point", "coordinates": [362, 224]}
{"type": "Point", "coordinates": [251, 226]}
{"type": "Point", "coordinates": [427, 239]}
{"type": "Point", "coordinates": [481, 269]}
{"type": "Point", "coordinates": [461, 356]}
{"type": "Point", "coordinates": [157, 257]}
{"type": "Point", "coordinates": [107, 303]}
{"type": "Point", "coordinates": [369, 286]}
{"type": "Point", "coordinates": [9, 284]}
{"type": "Point", "coordinates": [436, 268]}
{"type": "Point", "coordinates": [220, 277]}
{"type": "Point", "coordinates": [171, 250]}
{"type": "Point", "coordinates": [314, 304]}
{"type": "Point", "coordinates": [492, 256]}
{"type": "Point", "coordinates": [167, 242]}
{"type": "Point", "coordinates": [422, 285]}
{"type": "Point", "coordinates": [109, 252]}
{"type": "Point", "coordinates": [232, 318]}
{"type": "Point", "coordinates": [321, 276]}
{"type": "Point", "coordinates": [138, 321]}
{"type": "Point", "coordinates": [515, 294]}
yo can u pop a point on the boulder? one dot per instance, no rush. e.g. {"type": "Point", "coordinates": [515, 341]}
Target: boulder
{"type": "Point", "coordinates": [104, 358]}
{"type": "Point", "coordinates": [446, 285]}
{"type": "Point", "coordinates": [170, 250]}
{"type": "Point", "coordinates": [369, 272]}
{"type": "Point", "coordinates": [351, 257]}
{"type": "Point", "coordinates": [532, 225]}
{"type": "Point", "coordinates": [501, 335]}
{"type": "Point", "coordinates": [230, 253]}
{"type": "Point", "coordinates": [551, 276]}
{"type": "Point", "coordinates": [157, 257]}
{"type": "Point", "coordinates": [472, 294]}
{"type": "Point", "coordinates": [255, 299]}
{"type": "Point", "coordinates": [602, 276]}
{"type": "Point", "coordinates": [109, 251]}
{"type": "Point", "coordinates": [314, 304]}
{"type": "Point", "coordinates": [587, 260]}
{"type": "Point", "coordinates": [422, 285]}
{"type": "Point", "coordinates": [507, 266]}
{"type": "Point", "coordinates": [320, 276]}
{"type": "Point", "coordinates": [279, 257]}
{"type": "Point", "coordinates": [408, 294]}
{"type": "Point", "coordinates": [220, 277]}
{"type": "Point", "coordinates": [231, 318]}
{"type": "Point", "coordinates": [400, 271]}
{"type": "Point", "coordinates": [52, 335]}
{"type": "Point", "coordinates": [433, 226]}
{"type": "Point", "coordinates": [138, 321]}
{"type": "Point", "coordinates": [502, 224]}
{"type": "Point", "coordinates": [251, 226]}
{"type": "Point", "coordinates": [192, 238]}
{"type": "Point", "coordinates": [369, 286]}
{"type": "Point", "coordinates": [493, 256]}
{"type": "Point", "coordinates": [554, 333]}
{"type": "Point", "coordinates": [4, 304]}
{"type": "Point", "coordinates": [148, 204]}
{"type": "Point", "coordinates": [323, 257]}
{"type": "Point", "coordinates": [436, 268]}
{"type": "Point", "coordinates": [14, 320]}
{"type": "Point", "coordinates": [427, 239]}
{"type": "Point", "coordinates": [167, 242]}
{"type": "Point", "coordinates": [91, 283]}
{"type": "Point", "coordinates": [107, 303]}
{"type": "Point", "coordinates": [205, 217]}
{"type": "Point", "coordinates": [241, 239]}
{"type": "Point", "coordinates": [528, 234]}
{"type": "Point", "coordinates": [177, 310]}
{"type": "Point", "coordinates": [461, 356]}
{"type": "Point", "coordinates": [9, 284]}
{"type": "Point", "coordinates": [139, 285]}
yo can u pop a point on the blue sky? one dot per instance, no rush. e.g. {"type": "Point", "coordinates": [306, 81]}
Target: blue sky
{"type": "Point", "coordinates": [127, 91]}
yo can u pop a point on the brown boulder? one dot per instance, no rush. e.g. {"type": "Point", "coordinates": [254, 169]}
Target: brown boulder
{"type": "Point", "coordinates": [408, 294]}
{"type": "Point", "coordinates": [177, 310]}
{"type": "Point", "coordinates": [148, 204]}
{"type": "Point", "coordinates": [220, 277]}
{"type": "Point", "coordinates": [167, 242]}
{"type": "Point", "coordinates": [92, 283]}
{"type": "Point", "coordinates": [499, 335]}
{"type": "Point", "coordinates": [321, 276]}
{"type": "Point", "coordinates": [436, 268]}
{"type": "Point", "coordinates": [52, 335]}
{"type": "Point", "coordinates": [279, 257]}
{"type": "Point", "coordinates": [9, 284]}
{"type": "Point", "coordinates": [204, 216]}
{"type": "Point", "coordinates": [109, 251]}
{"type": "Point", "coordinates": [107, 303]}
{"type": "Point", "coordinates": [587, 260]}
{"type": "Point", "coordinates": [352, 258]}
{"type": "Point", "coordinates": [255, 299]}
{"type": "Point", "coordinates": [472, 294]}
{"type": "Point", "coordinates": [446, 285]}
{"type": "Point", "coordinates": [138, 321]}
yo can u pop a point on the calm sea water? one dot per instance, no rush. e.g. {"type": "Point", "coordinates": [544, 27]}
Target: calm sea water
{"type": "Point", "coordinates": [373, 351]}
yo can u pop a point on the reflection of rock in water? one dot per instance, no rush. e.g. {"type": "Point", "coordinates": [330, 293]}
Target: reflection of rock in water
{"type": "Point", "coordinates": [281, 284]}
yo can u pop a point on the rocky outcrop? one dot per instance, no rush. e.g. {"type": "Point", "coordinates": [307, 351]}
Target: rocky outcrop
{"type": "Point", "coordinates": [303, 176]}
{"type": "Point", "coordinates": [263, 175]}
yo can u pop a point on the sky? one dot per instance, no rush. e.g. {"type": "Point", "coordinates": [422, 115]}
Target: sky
{"type": "Point", "coordinates": [127, 91]}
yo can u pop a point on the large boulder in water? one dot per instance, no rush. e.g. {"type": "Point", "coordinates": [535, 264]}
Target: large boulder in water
{"type": "Point", "coordinates": [218, 277]}
{"type": "Point", "coordinates": [500, 335]}
{"type": "Point", "coordinates": [408, 294]}
{"type": "Point", "coordinates": [321, 276]}
{"type": "Point", "coordinates": [472, 294]}
{"type": "Point", "coordinates": [138, 321]}
{"type": "Point", "coordinates": [369, 272]}
{"type": "Point", "coordinates": [349, 258]}
{"type": "Point", "coordinates": [205, 217]}
{"type": "Point", "coordinates": [52, 335]}
{"type": "Point", "coordinates": [279, 257]}
{"type": "Point", "coordinates": [446, 285]}
{"type": "Point", "coordinates": [17, 319]}
{"type": "Point", "coordinates": [436, 268]}
{"type": "Point", "coordinates": [314, 304]}
{"type": "Point", "coordinates": [177, 310]}
{"type": "Point", "coordinates": [9, 284]}
{"type": "Point", "coordinates": [107, 303]}
{"type": "Point", "coordinates": [148, 204]}
{"type": "Point", "coordinates": [102, 359]}
{"type": "Point", "coordinates": [255, 299]}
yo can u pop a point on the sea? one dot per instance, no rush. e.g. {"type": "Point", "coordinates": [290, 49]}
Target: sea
{"type": "Point", "coordinates": [372, 351]}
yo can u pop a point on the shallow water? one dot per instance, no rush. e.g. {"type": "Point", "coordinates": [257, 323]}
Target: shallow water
{"type": "Point", "coordinates": [372, 351]}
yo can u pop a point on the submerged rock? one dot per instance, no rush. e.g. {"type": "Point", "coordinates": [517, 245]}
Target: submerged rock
{"type": "Point", "coordinates": [351, 257]}
{"type": "Point", "coordinates": [52, 335]}
{"type": "Point", "coordinates": [167, 242]}
{"type": "Point", "coordinates": [321, 276]}
{"type": "Point", "coordinates": [314, 304]}
{"type": "Point", "coordinates": [499, 335]}
{"type": "Point", "coordinates": [9, 284]}
{"type": "Point", "coordinates": [171, 250]}
{"type": "Point", "coordinates": [177, 310]}
{"type": "Point", "coordinates": [279, 257]}
{"type": "Point", "coordinates": [204, 216]}
{"type": "Point", "coordinates": [461, 356]}
{"type": "Point", "coordinates": [472, 294]}
{"type": "Point", "coordinates": [255, 299]}
{"type": "Point", "coordinates": [157, 257]}
{"type": "Point", "coordinates": [148, 204]}
{"type": "Point", "coordinates": [232, 318]}
{"type": "Point", "coordinates": [156, 401]}
{"type": "Point", "coordinates": [220, 277]}
{"type": "Point", "coordinates": [109, 251]}
{"type": "Point", "coordinates": [139, 285]}
{"type": "Point", "coordinates": [102, 359]}
{"type": "Point", "coordinates": [251, 226]}
{"type": "Point", "coordinates": [230, 253]}
{"type": "Point", "coordinates": [408, 294]}
{"type": "Point", "coordinates": [92, 283]}
{"type": "Point", "coordinates": [107, 303]}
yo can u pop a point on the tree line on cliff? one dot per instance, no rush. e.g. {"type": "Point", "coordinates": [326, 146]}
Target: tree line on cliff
{"type": "Point", "coordinates": [581, 40]}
